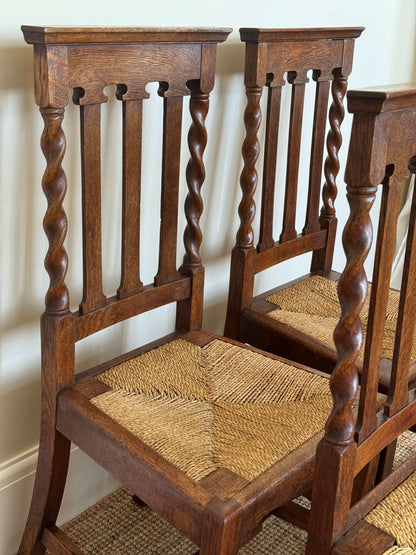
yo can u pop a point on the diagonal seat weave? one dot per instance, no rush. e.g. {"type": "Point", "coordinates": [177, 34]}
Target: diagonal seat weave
{"type": "Point", "coordinates": [215, 406]}
{"type": "Point", "coordinates": [311, 306]}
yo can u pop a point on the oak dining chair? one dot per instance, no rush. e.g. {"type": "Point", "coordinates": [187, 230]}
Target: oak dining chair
{"type": "Point", "coordinates": [296, 319]}
{"type": "Point", "coordinates": [382, 153]}
{"type": "Point", "coordinates": [210, 433]}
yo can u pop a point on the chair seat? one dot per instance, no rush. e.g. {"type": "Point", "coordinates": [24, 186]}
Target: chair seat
{"type": "Point", "coordinates": [215, 406]}
{"type": "Point", "coordinates": [311, 307]}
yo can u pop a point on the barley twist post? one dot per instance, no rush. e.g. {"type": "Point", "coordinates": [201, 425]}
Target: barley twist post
{"type": "Point", "coordinates": [55, 223]}
{"type": "Point", "coordinates": [333, 144]}
{"type": "Point", "coordinates": [249, 178]}
{"type": "Point", "coordinates": [195, 176]}
{"type": "Point", "coordinates": [352, 291]}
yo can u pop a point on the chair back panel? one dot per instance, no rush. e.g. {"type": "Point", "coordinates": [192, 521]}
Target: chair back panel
{"type": "Point", "coordinates": [87, 60]}
{"type": "Point", "coordinates": [382, 150]}
{"type": "Point", "coordinates": [270, 55]}
{"type": "Point", "coordinates": [94, 67]}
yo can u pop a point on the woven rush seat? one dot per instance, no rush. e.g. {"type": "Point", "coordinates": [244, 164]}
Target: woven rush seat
{"type": "Point", "coordinates": [215, 406]}
{"type": "Point", "coordinates": [311, 307]}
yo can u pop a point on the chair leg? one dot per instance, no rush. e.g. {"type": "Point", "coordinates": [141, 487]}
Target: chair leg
{"type": "Point", "coordinates": [331, 496]}
{"type": "Point", "coordinates": [221, 527]}
{"type": "Point", "coordinates": [52, 469]}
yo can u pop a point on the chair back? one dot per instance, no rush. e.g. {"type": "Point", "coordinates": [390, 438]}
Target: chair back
{"type": "Point", "coordinates": [382, 151]}
{"type": "Point", "coordinates": [86, 60]}
{"type": "Point", "coordinates": [275, 58]}
{"type": "Point", "coordinates": [271, 55]}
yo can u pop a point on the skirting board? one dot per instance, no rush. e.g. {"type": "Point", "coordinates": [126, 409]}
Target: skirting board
{"type": "Point", "coordinates": [87, 483]}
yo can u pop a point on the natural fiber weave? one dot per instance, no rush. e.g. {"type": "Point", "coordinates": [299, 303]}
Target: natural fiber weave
{"type": "Point", "coordinates": [217, 406]}
{"type": "Point", "coordinates": [406, 445]}
{"type": "Point", "coordinates": [396, 514]}
{"type": "Point", "coordinates": [395, 550]}
{"type": "Point", "coordinates": [118, 526]}
{"type": "Point", "coordinates": [312, 307]}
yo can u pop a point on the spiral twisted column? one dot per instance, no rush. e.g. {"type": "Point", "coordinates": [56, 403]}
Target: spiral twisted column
{"type": "Point", "coordinates": [333, 144]}
{"type": "Point", "coordinates": [249, 177]}
{"type": "Point", "coordinates": [55, 222]}
{"type": "Point", "coordinates": [352, 291]}
{"type": "Point", "coordinates": [195, 176]}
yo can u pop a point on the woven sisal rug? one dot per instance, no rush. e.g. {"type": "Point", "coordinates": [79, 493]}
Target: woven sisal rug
{"type": "Point", "coordinates": [118, 526]}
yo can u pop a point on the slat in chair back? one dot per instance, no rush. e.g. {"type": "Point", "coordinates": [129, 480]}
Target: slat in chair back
{"type": "Point", "coordinates": [87, 60]}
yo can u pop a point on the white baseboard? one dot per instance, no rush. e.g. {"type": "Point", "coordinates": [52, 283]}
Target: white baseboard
{"type": "Point", "coordinates": [87, 483]}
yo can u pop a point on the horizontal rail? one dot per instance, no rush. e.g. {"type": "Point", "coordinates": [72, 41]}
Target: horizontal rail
{"type": "Point", "coordinates": [151, 477]}
{"type": "Point", "coordinates": [388, 430]}
{"type": "Point", "coordinates": [283, 251]}
{"type": "Point", "coordinates": [118, 310]}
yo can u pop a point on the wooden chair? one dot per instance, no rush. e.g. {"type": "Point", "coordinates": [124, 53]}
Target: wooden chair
{"type": "Point", "coordinates": [382, 150]}
{"type": "Point", "coordinates": [210, 433]}
{"type": "Point", "coordinates": [295, 320]}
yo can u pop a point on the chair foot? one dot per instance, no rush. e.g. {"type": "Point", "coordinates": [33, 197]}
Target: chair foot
{"type": "Point", "coordinates": [51, 472]}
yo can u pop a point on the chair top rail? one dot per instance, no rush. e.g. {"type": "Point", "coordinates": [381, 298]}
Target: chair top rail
{"type": "Point", "coordinates": [249, 34]}
{"type": "Point", "coordinates": [376, 100]}
{"type": "Point", "coordinates": [79, 35]}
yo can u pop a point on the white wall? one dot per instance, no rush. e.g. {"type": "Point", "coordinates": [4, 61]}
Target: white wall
{"type": "Point", "coordinates": [384, 54]}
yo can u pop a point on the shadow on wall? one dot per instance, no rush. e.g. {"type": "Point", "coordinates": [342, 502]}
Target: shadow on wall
{"type": "Point", "coordinates": [20, 301]}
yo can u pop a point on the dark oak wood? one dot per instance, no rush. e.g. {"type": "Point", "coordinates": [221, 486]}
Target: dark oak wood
{"type": "Point", "coordinates": [221, 527]}
{"type": "Point", "coordinates": [223, 483]}
{"type": "Point", "coordinates": [294, 513]}
{"type": "Point", "coordinates": [170, 186]}
{"type": "Point", "coordinates": [398, 393]}
{"type": "Point", "coordinates": [270, 55]}
{"type": "Point", "coordinates": [86, 60]}
{"type": "Point", "coordinates": [130, 282]}
{"type": "Point", "coordinates": [317, 153]}
{"type": "Point", "coordinates": [382, 150]}
{"type": "Point", "coordinates": [269, 174]}
{"type": "Point", "coordinates": [364, 538]}
{"type": "Point", "coordinates": [223, 511]}
{"type": "Point", "coordinates": [56, 541]}
{"type": "Point", "coordinates": [93, 297]}
{"type": "Point", "coordinates": [293, 155]}
{"type": "Point", "coordinates": [375, 329]}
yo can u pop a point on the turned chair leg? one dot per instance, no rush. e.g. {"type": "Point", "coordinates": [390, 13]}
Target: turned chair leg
{"type": "Point", "coordinates": [49, 486]}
